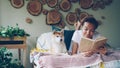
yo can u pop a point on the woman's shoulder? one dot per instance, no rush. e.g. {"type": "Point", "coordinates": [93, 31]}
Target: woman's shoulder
{"type": "Point", "coordinates": [78, 31]}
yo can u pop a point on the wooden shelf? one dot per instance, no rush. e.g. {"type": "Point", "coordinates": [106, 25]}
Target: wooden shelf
{"type": "Point", "coordinates": [14, 46]}
{"type": "Point", "coordinates": [17, 46]}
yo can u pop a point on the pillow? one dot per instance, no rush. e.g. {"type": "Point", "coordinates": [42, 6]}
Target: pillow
{"type": "Point", "coordinates": [67, 37]}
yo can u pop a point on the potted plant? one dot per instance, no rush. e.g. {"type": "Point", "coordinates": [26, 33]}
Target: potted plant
{"type": "Point", "coordinates": [7, 61]}
{"type": "Point", "coordinates": [12, 31]}
{"type": "Point", "coordinates": [10, 34]}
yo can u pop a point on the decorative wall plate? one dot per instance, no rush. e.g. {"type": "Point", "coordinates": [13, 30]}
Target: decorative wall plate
{"type": "Point", "coordinates": [95, 6]}
{"type": "Point", "coordinates": [34, 7]}
{"type": "Point", "coordinates": [98, 4]}
{"type": "Point", "coordinates": [83, 15]}
{"type": "Point", "coordinates": [53, 17]}
{"type": "Point", "coordinates": [85, 4]}
{"type": "Point", "coordinates": [65, 5]}
{"type": "Point", "coordinates": [71, 18]}
{"type": "Point", "coordinates": [52, 3]}
{"type": "Point", "coordinates": [17, 3]}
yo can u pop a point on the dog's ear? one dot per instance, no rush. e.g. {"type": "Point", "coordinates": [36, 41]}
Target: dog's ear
{"type": "Point", "coordinates": [54, 32]}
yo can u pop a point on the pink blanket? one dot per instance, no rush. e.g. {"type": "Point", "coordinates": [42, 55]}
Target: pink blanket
{"type": "Point", "coordinates": [64, 61]}
{"type": "Point", "coordinates": [46, 60]}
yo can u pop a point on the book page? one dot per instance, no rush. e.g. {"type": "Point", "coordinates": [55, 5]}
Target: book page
{"type": "Point", "coordinates": [87, 44]}
{"type": "Point", "coordinates": [100, 38]}
{"type": "Point", "coordinates": [100, 42]}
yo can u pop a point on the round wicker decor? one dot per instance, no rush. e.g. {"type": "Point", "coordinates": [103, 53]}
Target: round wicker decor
{"type": "Point", "coordinates": [34, 7]}
{"type": "Point", "coordinates": [17, 3]}
{"type": "Point", "coordinates": [53, 17]}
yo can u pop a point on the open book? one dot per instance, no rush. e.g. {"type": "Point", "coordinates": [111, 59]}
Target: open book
{"type": "Point", "coordinates": [87, 44]}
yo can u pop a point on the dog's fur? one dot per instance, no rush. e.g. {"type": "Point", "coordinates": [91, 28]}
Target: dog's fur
{"type": "Point", "coordinates": [53, 42]}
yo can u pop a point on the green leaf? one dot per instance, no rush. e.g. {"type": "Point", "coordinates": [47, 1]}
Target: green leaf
{"type": "Point", "coordinates": [12, 31]}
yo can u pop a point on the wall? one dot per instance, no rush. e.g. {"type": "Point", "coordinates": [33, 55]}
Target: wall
{"type": "Point", "coordinates": [11, 16]}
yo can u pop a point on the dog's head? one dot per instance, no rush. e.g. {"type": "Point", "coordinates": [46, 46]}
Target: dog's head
{"type": "Point", "coordinates": [58, 36]}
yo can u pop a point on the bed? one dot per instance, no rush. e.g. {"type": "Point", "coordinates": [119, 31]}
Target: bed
{"type": "Point", "coordinates": [42, 59]}
{"type": "Point", "coordinates": [45, 60]}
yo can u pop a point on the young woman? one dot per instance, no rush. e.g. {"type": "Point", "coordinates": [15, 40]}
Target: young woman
{"type": "Point", "coordinates": [88, 27]}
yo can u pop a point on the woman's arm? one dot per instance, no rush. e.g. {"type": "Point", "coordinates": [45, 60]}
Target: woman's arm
{"type": "Point", "coordinates": [74, 48]}
{"type": "Point", "coordinates": [77, 25]}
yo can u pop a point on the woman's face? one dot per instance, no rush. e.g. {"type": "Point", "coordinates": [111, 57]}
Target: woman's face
{"type": "Point", "coordinates": [88, 30]}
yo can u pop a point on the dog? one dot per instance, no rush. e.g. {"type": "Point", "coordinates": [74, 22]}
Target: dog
{"type": "Point", "coordinates": [53, 42]}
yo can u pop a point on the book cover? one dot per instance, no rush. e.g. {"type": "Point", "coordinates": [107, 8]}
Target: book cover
{"type": "Point", "coordinates": [87, 44]}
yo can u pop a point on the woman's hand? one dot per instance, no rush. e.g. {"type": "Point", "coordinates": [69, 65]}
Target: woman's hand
{"type": "Point", "coordinates": [88, 53]}
{"type": "Point", "coordinates": [101, 50]}
{"type": "Point", "coordinates": [77, 25]}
